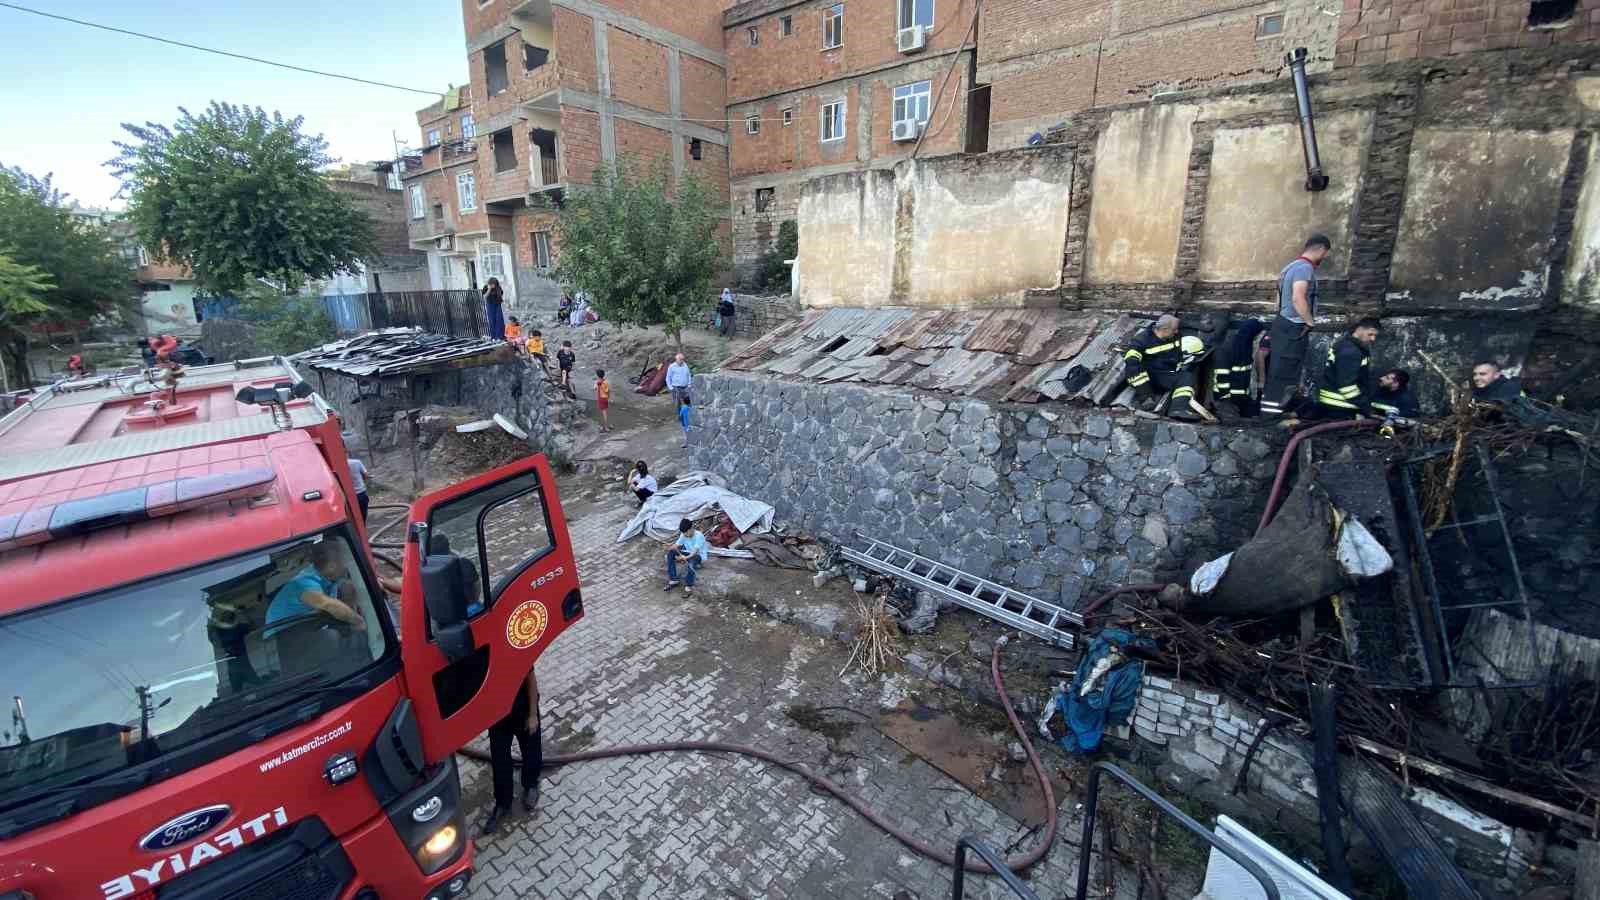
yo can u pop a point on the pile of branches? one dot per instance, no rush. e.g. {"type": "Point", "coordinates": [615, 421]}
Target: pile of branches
{"type": "Point", "coordinates": [1500, 430]}
{"type": "Point", "coordinates": [1245, 660]}
{"type": "Point", "coordinates": [877, 645]}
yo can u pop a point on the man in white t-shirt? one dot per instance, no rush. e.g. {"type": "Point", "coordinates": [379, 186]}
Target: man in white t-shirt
{"type": "Point", "coordinates": [358, 479]}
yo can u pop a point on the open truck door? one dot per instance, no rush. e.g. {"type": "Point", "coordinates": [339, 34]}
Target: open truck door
{"type": "Point", "coordinates": [489, 582]}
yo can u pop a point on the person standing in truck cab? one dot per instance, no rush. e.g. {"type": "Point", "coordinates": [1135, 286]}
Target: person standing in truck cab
{"type": "Point", "coordinates": [313, 589]}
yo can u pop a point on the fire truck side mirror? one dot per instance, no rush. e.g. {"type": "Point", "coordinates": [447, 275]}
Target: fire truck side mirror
{"type": "Point", "coordinates": [444, 593]}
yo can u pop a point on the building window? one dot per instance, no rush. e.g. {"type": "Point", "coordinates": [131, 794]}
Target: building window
{"type": "Point", "coordinates": [505, 151]}
{"type": "Point", "coordinates": [1269, 25]}
{"type": "Point", "coordinates": [785, 26]}
{"type": "Point", "coordinates": [494, 68]}
{"type": "Point", "coordinates": [469, 128]}
{"type": "Point", "coordinates": [694, 148]}
{"type": "Point", "coordinates": [911, 102]}
{"type": "Point", "coordinates": [788, 116]}
{"type": "Point", "coordinates": [1546, 13]}
{"type": "Point", "coordinates": [438, 213]}
{"type": "Point", "coordinates": [534, 57]}
{"type": "Point", "coordinates": [540, 240]}
{"type": "Point", "coordinates": [833, 26]}
{"type": "Point", "coordinates": [752, 124]}
{"type": "Point", "coordinates": [466, 191]}
{"type": "Point", "coordinates": [392, 178]}
{"type": "Point", "coordinates": [416, 204]}
{"type": "Point", "coordinates": [490, 261]}
{"type": "Point", "coordinates": [755, 35]}
{"type": "Point", "coordinates": [763, 199]}
{"type": "Point", "coordinates": [833, 121]}
{"type": "Point", "coordinates": [432, 137]}
{"type": "Point", "coordinates": [916, 12]}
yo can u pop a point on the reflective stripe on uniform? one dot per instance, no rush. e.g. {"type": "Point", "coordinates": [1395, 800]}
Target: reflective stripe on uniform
{"type": "Point", "coordinates": [1139, 379]}
{"type": "Point", "coordinates": [1386, 409]}
{"type": "Point", "coordinates": [1329, 398]}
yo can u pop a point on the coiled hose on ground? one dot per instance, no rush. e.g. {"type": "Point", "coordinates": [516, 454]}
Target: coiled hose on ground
{"type": "Point", "coordinates": [1016, 863]}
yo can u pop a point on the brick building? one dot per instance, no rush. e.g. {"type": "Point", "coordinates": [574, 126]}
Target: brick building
{"type": "Point", "coordinates": [1376, 31]}
{"type": "Point", "coordinates": [443, 217]}
{"type": "Point", "coordinates": [1046, 59]}
{"type": "Point", "coordinates": [818, 88]}
{"type": "Point", "coordinates": [558, 87]}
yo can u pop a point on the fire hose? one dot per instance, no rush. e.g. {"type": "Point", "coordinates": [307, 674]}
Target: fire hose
{"type": "Point", "coordinates": [1288, 454]}
{"type": "Point", "coordinates": [1016, 863]}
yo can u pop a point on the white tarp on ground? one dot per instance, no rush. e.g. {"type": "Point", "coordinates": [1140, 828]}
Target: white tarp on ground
{"type": "Point", "coordinates": [695, 495]}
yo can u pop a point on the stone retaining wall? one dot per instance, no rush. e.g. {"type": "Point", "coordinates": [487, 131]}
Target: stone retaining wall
{"type": "Point", "coordinates": [511, 386]}
{"type": "Point", "coordinates": [1050, 499]}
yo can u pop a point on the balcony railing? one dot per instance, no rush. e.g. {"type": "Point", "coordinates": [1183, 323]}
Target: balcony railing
{"type": "Point", "coordinates": [459, 148]}
{"type": "Point", "coordinates": [545, 172]}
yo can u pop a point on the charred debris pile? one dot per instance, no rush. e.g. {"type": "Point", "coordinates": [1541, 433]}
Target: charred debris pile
{"type": "Point", "coordinates": [1442, 583]}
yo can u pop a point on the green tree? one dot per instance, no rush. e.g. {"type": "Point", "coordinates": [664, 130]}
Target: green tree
{"type": "Point", "coordinates": [644, 250]}
{"type": "Point", "coordinates": [285, 324]}
{"type": "Point", "coordinates": [236, 195]}
{"type": "Point", "coordinates": [58, 271]}
{"type": "Point", "coordinates": [771, 273]}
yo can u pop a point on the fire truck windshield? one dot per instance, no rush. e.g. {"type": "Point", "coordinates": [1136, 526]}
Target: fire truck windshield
{"type": "Point", "coordinates": [110, 682]}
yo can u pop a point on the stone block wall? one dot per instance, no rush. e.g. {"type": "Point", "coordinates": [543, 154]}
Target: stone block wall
{"type": "Point", "coordinates": [512, 387]}
{"type": "Point", "coordinates": [1049, 499]}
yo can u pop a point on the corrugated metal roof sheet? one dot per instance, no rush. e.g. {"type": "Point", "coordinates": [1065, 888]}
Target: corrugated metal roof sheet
{"type": "Point", "coordinates": [1025, 355]}
{"type": "Point", "coordinates": [399, 351]}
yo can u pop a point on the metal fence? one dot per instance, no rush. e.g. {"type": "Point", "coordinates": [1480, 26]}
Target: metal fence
{"type": "Point", "coordinates": [454, 313]}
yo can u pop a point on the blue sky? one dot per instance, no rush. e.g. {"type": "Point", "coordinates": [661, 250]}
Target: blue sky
{"type": "Point", "coordinates": [68, 88]}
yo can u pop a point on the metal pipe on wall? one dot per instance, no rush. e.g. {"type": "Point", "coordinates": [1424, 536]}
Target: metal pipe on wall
{"type": "Point", "coordinates": [1315, 180]}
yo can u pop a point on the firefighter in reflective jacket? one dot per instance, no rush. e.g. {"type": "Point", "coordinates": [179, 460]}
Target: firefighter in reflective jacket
{"type": "Point", "coordinates": [1346, 390]}
{"type": "Point", "coordinates": [1155, 362]}
{"type": "Point", "coordinates": [1235, 362]}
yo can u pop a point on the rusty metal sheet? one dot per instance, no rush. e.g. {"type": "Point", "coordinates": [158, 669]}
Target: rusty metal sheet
{"type": "Point", "coordinates": [1005, 330]}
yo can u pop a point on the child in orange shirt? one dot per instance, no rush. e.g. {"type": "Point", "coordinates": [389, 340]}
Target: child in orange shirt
{"type": "Point", "coordinates": [514, 333]}
{"type": "Point", "coordinates": [602, 396]}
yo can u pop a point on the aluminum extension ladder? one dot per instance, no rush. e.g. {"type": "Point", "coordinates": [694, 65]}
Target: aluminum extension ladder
{"type": "Point", "coordinates": [1030, 615]}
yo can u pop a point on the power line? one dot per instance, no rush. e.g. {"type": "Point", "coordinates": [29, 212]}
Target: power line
{"type": "Point", "coordinates": [254, 59]}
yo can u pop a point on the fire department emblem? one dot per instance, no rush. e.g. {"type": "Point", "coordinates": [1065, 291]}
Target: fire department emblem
{"type": "Point", "coordinates": [527, 624]}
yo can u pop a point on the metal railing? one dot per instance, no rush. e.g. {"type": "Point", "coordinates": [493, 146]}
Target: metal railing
{"type": "Point", "coordinates": [1091, 800]}
{"type": "Point", "coordinates": [986, 853]}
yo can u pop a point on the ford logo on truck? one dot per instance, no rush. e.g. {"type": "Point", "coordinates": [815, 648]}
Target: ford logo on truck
{"type": "Point", "coordinates": [184, 828]}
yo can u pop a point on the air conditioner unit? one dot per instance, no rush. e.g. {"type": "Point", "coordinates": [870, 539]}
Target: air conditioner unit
{"type": "Point", "coordinates": [907, 129]}
{"type": "Point", "coordinates": [912, 39]}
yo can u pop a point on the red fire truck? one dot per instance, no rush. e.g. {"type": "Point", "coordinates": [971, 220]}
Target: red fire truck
{"type": "Point", "coordinates": [209, 694]}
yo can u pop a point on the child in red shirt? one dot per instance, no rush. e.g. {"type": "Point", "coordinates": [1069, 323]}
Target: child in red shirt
{"type": "Point", "coordinates": [602, 396]}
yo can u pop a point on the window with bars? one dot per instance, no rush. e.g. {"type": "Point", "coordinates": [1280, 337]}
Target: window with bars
{"type": "Point", "coordinates": [466, 191]}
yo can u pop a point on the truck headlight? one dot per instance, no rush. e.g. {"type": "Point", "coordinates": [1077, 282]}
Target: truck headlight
{"type": "Point", "coordinates": [439, 848]}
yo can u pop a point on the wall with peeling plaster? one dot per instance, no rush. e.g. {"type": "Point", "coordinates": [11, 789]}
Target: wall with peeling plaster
{"type": "Point", "coordinates": [1464, 206]}
{"type": "Point", "coordinates": [953, 231]}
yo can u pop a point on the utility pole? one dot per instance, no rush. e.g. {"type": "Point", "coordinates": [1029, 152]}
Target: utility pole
{"type": "Point", "coordinates": [145, 712]}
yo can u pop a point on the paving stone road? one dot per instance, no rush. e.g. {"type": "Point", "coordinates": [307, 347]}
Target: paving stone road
{"type": "Point", "coordinates": [648, 666]}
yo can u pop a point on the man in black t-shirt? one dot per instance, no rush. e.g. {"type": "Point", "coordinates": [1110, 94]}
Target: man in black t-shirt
{"type": "Point", "coordinates": [565, 359]}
